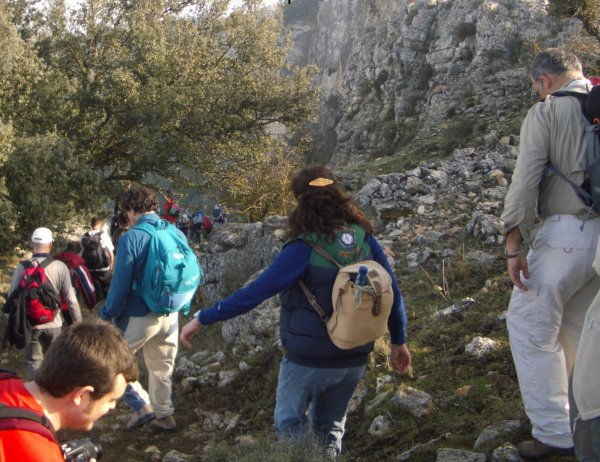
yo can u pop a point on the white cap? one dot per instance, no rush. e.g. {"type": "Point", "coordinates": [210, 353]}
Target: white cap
{"type": "Point", "coordinates": [42, 236]}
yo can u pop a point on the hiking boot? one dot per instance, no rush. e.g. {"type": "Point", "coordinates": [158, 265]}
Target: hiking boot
{"type": "Point", "coordinates": [536, 450]}
{"type": "Point", "coordinates": [141, 417]}
{"type": "Point", "coordinates": [165, 424]}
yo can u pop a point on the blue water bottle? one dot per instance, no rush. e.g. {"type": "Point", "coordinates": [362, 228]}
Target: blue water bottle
{"type": "Point", "coordinates": [362, 276]}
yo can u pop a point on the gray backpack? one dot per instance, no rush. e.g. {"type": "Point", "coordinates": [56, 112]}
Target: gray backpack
{"type": "Point", "coordinates": [589, 190]}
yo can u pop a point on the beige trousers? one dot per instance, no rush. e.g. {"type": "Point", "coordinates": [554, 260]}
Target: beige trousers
{"type": "Point", "coordinates": [157, 336]}
{"type": "Point", "coordinates": [544, 323]}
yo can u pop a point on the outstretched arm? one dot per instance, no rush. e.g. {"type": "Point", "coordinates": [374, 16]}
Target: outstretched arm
{"type": "Point", "coordinates": [400, 358]}
{"type": "Point", "coordinates": [284, 271]}
{"type": "Point", "coordinates": [189, 331]}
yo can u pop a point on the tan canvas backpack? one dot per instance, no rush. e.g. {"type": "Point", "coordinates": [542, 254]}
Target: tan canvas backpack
{"type": "Point", "coordinates": [360, 311]}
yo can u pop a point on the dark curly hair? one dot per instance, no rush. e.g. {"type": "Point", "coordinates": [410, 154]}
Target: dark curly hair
{"type": "Point", "coordinates": [322, 209]}
{"type": "Point", "coordinates": [123, 220]}
{"type": "Point", "coordinates": [139, 199]}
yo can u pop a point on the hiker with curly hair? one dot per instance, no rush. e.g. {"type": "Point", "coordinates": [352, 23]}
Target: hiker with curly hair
{"type": "Point", "coordinates": [144, 330]}
{"type": "Point", "coordinates": [316, 378]}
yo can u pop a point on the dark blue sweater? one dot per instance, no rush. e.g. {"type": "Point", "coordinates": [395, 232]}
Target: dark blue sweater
{"type": "Point", "coordinates": [289, 266]}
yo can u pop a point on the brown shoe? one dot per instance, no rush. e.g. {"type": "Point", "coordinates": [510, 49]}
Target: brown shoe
{"type": "Point", "coordinates": [536, 450]}
{"type": "Point", "coordinates": [165, 424]}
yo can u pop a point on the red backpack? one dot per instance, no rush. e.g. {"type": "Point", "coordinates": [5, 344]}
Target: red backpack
{"type": "Point", "coordinates": [81, 279]}
{"type": "Point", "coordinates": [38, 293]}
{"type": "Point", "coordinates": [35, 301]}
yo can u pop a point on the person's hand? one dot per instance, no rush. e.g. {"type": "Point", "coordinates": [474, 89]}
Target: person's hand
{"type": "Point", "coordinates": [189, 331]}
{"type": "Point", "coordinates": [400, 357]}
{"type": "Point", "coordinates": [514, 266]}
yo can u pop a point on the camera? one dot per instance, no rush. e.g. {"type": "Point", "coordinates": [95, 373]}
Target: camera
{"type": "Point", "coordinates": [81, 450]}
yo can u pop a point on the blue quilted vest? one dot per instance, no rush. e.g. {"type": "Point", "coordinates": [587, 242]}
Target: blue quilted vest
{"type": "Point", "coordinates": [303, 334]}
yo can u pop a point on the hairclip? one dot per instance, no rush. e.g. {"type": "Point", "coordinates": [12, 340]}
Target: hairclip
{"type": "Point", "coordinates": [321, 182]}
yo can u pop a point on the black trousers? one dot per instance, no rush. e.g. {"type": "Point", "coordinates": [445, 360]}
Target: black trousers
{"type": "Point", "coordinates": [102, 280]}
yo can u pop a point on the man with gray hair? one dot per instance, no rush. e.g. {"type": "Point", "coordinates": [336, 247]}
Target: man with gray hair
{"type": "Point", "coordinates": [555, 282]}
{"type": "Point", "coordinates": [42, 335]}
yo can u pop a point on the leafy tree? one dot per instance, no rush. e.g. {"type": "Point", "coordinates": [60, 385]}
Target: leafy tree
{"type": "Point", "coordinates": [132, 90]}
{"type": "Point", "coordinates": [20, 71]}
{"type": "Point", "coordinates": [40, 181]}
{"type": "Point", "coordinates": [7, 239]}
{"type": "Point", "coordinates": [25, 15]}
{"type": "Point", "coordinates": [265, 189]}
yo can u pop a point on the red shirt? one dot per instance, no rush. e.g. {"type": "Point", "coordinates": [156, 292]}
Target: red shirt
{"type": "Point", "coordinates": [167, 215]}
{"type": "Point", "coordinates": [23, 445]}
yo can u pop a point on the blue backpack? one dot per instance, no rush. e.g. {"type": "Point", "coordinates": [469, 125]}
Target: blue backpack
{"type": "Point", "coordinates": [172, 274]}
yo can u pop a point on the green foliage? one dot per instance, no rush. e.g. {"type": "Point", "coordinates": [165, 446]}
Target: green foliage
{"type": "Point", "coordinates": [262, 190]}
{"type": "Point", "coordinates": [41, 185]}
{"type": "Point", "coordinates": [20, 72]}
{"type": "Point", "coordinates": [7, 239]}
{"type": "Point", "coordinates": [588, 11]}
{"type": "Point", "coordinates": [138, 91]}
{"type": "Point", "coordinates": [25, 14]}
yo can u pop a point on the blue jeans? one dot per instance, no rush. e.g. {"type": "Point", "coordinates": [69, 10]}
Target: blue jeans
{"type": "Point", "coordinates": [317, 397]}
{"type": "Point", "coordinates": [587, 440]}
{"type": "Point", "coordinates": [135, 398]}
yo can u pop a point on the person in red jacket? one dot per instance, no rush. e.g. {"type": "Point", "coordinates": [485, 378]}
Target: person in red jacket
{"type": "Point", "coordinates": [81, 278]}
{"type": "Point", "coordinates": [171, 210]}
{"type": "Point", "coordinates": [84, 373]}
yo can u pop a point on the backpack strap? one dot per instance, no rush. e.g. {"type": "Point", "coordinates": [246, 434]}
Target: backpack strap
{"type": "Point", "coordinates": [31, 263]}
{"type": "Point", "coordinates": [5, 374]}
{"type": "Point", "coordinates": [14, 418]}
{"type": "Point", "coordinates": [28, 264]}
{"type": "Point", "coordinates": [327, 256]}
{"type": "Point", "coordinates": [317, 248]}
{"type": "Point", "coordinates": [582, 97]}
{"type": "Point", "coordinates": [585, 196]}
{"type": "Point", "coordinates": [309, 296]}
{"type": "Point", "coordinates": [152, 228]}
{"type": "Point", "coordinates": [313, 301]}
{"type": "Point", "coordinates": [46, 262]}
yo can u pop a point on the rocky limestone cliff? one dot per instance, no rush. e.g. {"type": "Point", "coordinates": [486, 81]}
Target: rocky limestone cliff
{"type": "Point", "coordinates": [417, 78]}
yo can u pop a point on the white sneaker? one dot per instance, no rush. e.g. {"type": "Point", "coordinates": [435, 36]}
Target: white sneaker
{"type": "Point", "coordinates": [141, 417]}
